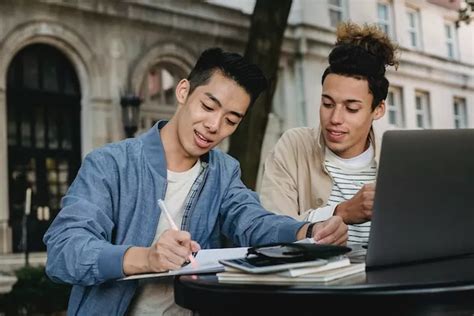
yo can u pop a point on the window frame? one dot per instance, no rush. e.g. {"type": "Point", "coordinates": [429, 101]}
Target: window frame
{"type": "Point", "coordinates": [461, 117]}
{"type": "Point", "coordinates": [386, 25]}
{"type": "Point", "coordinates": [342, 9]}
{"type": "Point", "coordinates": [396, 107]}
{"type": "Point", "coordinates": [453, 40]}
{"type": "Point", "coordinates": [424, 111]}
{"type": "Point", "coordinates": [415, 29]}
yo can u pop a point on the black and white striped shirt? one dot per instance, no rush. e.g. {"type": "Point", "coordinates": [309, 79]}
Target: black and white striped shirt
{"type": "Point", "coordinates": [349, 175]}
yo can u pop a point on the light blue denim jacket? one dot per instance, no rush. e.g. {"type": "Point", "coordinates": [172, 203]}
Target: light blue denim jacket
{"type": "Point", "coordinates": [112, 205]}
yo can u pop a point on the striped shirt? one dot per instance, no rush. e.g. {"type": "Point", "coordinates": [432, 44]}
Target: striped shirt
{"type": "Point", "coordinates": [349, 175]}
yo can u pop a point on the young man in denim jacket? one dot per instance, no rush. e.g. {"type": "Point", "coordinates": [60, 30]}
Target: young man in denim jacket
{"type": "Point", "coordinates": [111, 226]}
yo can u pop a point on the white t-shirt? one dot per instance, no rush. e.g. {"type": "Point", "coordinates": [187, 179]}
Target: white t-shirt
{"type": "Point", "coordinates": [156, 296]}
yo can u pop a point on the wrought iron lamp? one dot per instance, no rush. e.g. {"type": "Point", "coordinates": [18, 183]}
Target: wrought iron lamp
{"type": "Point", "coordinates": [130, 113]}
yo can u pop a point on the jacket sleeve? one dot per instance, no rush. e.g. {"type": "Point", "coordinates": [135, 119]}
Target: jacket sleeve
{"type": "Point", "coordinates": [79, 241]}
{"type": "Point", "coordinates": [278, 190]}
{"type": "Point", "coordinates": [247, 223]}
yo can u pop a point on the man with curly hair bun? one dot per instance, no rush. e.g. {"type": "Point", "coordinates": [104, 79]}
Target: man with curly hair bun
{"type": "Point", "coordinates": [315, 173]}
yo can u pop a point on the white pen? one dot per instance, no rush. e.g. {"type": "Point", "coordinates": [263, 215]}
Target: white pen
{"type": "Point", "coordinates": [162, 205]}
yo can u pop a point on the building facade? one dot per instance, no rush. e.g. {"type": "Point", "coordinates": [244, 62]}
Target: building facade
{"type": "Point", "coordinates": [65, 64]}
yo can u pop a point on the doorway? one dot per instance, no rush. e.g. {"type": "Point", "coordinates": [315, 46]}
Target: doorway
{"type": "Point", "coordinates": [44, 137]}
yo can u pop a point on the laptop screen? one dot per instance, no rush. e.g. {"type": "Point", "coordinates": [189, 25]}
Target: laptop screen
{"type": "Point", "coordinates": [423, 207]}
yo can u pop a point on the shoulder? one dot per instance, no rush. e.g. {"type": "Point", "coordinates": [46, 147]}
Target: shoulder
{"type": "Point", "coordinates": [297, 140]}
{"type": "Point", "coordinates": [305, 134]}
{"type": "Point", "coordinates": [222, 160]}
{"type": "Point", "coordinates": [117, 152]}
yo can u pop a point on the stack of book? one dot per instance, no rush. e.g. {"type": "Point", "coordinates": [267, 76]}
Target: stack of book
{"type": "Point", "coordinates": [333, 268]}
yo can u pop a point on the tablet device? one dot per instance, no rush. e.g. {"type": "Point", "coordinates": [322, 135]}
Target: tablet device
{"type": "Point", "coordinates": [261, 264]}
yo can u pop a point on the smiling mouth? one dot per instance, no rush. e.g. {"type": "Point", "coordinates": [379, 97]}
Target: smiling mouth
{"type": "Point", "coordinates": [201, 140]}
{"type": "Point", "coordinates": [335, 133]}
{"type": "Point", "coordinates": [335, 136]}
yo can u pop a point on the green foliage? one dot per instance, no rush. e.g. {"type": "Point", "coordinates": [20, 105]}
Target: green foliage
{"type": "Point", "coordinates": [34, 293]}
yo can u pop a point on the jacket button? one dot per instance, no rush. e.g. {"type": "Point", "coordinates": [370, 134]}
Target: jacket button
{"type": "Point", "coordinates": [319, 202]}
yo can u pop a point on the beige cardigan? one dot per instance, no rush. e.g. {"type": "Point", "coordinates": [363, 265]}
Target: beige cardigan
{"type": "Point", "coordinates": [295, 180]}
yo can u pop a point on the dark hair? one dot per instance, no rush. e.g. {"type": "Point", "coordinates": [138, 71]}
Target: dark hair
{"type": "Point", "coordinates": [363, 53]}
{"type": "Point", "coordinates": [249, 76]}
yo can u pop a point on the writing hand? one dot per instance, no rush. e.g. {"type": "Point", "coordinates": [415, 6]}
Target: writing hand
{"type": "Point", "coordinates": [171, 250]}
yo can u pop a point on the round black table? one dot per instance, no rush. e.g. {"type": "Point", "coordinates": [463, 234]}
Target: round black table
{"type": "Point", "coordinates": [444, 287]}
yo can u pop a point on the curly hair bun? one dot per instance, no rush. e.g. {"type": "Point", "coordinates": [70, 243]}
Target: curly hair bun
{"type": "Point", "coordinates": [362, 50]}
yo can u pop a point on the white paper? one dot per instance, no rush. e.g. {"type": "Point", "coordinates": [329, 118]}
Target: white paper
{"type": "Point", "coordinates": [207, 261]}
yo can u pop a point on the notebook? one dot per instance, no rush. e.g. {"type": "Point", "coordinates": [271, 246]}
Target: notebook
{"type": "Point", "coordinates": [273, 278]}
{"type": "Point", "coordinates": [424, 199]}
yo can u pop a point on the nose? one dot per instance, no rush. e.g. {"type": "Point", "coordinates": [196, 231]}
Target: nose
{"type": "Point", "coordinates": [212, 123]}
{"type": "Point", "coordinates": [337, 115]}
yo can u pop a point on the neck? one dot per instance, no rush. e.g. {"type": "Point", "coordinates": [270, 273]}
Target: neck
{"type": "Point", "coordinates": [176, 158]}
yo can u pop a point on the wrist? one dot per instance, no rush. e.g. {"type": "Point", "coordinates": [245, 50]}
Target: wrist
{"type": "Point", "coordinates": [309, 230]}
{"type": "Point", "coordinates": [135, 261]}
{"type": "Point", "coordinates": [340, 211]}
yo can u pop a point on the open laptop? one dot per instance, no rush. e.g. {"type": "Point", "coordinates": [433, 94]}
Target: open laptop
{"type": "Point", "coordinates": [424, 198]}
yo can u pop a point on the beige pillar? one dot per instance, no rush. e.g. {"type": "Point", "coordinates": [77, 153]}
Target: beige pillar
{"type": "Point", "coordinates": [5, 231]}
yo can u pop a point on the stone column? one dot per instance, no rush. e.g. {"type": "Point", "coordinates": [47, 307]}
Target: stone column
{"type": "Point", "coordinates": [5, 231]}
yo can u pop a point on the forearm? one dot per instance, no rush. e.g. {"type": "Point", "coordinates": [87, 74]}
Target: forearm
{"type": "Point", "coordinates": [82, 261]}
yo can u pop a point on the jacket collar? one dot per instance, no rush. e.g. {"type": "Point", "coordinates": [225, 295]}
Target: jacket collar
{"type": "Point", "coordinates": [154, 150]}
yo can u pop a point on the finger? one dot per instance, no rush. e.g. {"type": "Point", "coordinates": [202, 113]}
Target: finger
{"type": "Point", "coordinates": [168, 265]}
{"type": "Point", "coordinates": [162, 259]}
{"type": "Point", "coordinates": [327, 240]}
{"type": "Point", "coordinates": [368, 214]}
{"type": "Point", "coordinates": [176, 236]}
{"type": "Point", "coordinates": [368, 195]}
{"type": "Point", "coordinates": [369, 186]}
{"type": "Point", "coordinates": [195, 247]}
{"type": "Point", "coordinates": [341, 233]}
{"type": "Point", "coordinates": [368, 205]}
{"type": "Point", "coordinates": [327, 228]}
{"type": "Point", "coordinates": [342, 240]}
{"type": "Point", "coordinates": [175, 259]}
{"type": "Point", "coordinates": [183, 236]}
{"type": "Point", "coordinates": [167, 245]}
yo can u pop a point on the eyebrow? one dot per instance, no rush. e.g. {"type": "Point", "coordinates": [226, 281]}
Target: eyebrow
{"type": "Point", "coordinates": [216, 100]}
{"type": "Point", "coordinates": [345, 101]}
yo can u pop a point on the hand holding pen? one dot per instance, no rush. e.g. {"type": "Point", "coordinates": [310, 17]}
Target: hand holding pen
{"type": "Point", "coordinates": [192, 244]}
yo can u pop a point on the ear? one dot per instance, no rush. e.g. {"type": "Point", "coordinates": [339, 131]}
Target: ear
{"type": "Point", "coordinates": [182, 91]}
{"type": "Point", "coordinates": [379, 110]}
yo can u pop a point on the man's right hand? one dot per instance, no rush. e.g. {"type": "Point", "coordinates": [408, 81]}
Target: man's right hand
{"type": "Point", "coordinates": [358, 209]}
{"type": "Point", "coordinates": [169, 252]}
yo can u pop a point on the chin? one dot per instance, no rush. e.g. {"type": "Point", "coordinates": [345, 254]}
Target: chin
{"type": "Point", "coordinates": [336, 149]}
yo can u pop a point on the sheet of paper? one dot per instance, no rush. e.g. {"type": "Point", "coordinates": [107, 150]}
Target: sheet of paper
{"type": "Point", "coordinates": [306, 241]}
{"type": "Point", "coordinates": [207, 261]}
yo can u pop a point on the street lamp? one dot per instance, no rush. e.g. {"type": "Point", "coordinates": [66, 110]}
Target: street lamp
{"type": "Point", "coordinates": [130, 113]}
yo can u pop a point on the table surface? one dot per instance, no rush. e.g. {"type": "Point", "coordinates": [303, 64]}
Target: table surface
{"type": "Point", "coordinates": [443, 287]}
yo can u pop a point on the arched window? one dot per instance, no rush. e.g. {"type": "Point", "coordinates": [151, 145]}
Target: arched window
{"type": "Point", "coordinates": [158, 92]}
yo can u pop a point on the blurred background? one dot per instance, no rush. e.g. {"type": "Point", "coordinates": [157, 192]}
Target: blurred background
{"type": "Point", "coordinates": [75, 75]}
